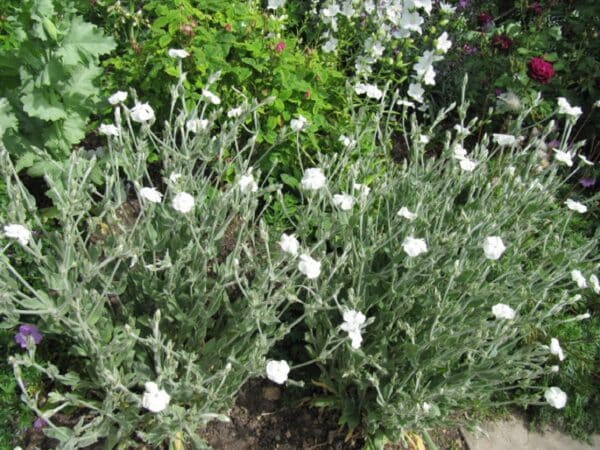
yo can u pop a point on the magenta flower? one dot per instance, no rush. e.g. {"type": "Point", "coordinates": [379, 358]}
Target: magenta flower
{"type": "Point", "coordinates": [27, 330]}
{"type": "Point", "coordinates": [39, 423]}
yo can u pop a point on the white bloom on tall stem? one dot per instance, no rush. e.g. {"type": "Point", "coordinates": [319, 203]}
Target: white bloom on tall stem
{"type": "Point", "coordinates": [235, 112]}
{"type": "Point", "coordinates": [458, 151]}
{"type": "Point", "coordinates": [416, 91]}
{"type": "Point", "coordinates": [573, 112]}
{"type": "Point", "coordinates": [556, 349]}
{"type": "Point", "coordinates": [330, 45]}
{"type": "Point", "coordinates": [212, 98]}
{"type": "Point", "coordinates": [309, 267]}
{"type": "Point", "coordinates": [154, 399]}
{"type": "Point", "coordinates": [196, 125]}
{"type": "Point", "coordinates": [18, 232]}
{"type": "Point", "coordinates": [503, 311]}
{"type": "Point", "coordinates": [142, 112]}
{"type": "Point", "coordinates": [468, 165]}
{"type": "Point", "coordinates": [117, 97]}
{"type": "Point", "coordinates": [554, 368]}
{"type": "Point", "coordinates": [576, 206]}
{"type": "Point", "coordinates": [289, 244]}
{"type": "Point", "coordinates": [313, 179]}
{"type": "Point", "coordinates": [343, 201]}
{"type": "Point", "coordinates": [556, 397]}
{"type": "Point", "coordinates": [595, 284]}
{"type": "Point", "coordinates": [414, 247]}
{"type": "Point", "coordinates": [183, 202]}
{"type": "Point", "coordinates": [247, 183]}
{"type": "Point", "coordinates": [406, 213]}
{"type": "Point", "coordinates": [443, 44]}
{"type": "Point", "coordinates": [346, 141]}
{"type": "Point", "coordinates": [274, 4]}
{"type": "Point", "coordinates": [353, 322]}
{"type": "Point", "coordinates": [461, 131]}
{"type": "Point", "coordinates": [362, 189]}
{"type": "Point", "coordinates": [174, 177]}
{"type": "Point", "coordinates": [277, 371]}
{"type": "Point", "coordinates": [298, 124]}
{"type": "Point", "coordinates": [177, 53]}
{"type": "Point", "coordinates": [108, 130]}
{"type": "Point", "coordinates": [370, 90]}
{"type": "Point", "coordinates": [493, 247]}
{"type": "Point", "coordinates": [151, 194]}
{"type": "Point", "coordinates": [578, 278]}
{"type": "Point", "coordinates": [564, 157]}
{"type": "Point", "coordinates": [504, 139]}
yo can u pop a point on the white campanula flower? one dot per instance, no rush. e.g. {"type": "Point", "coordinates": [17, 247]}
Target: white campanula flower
{"type": "Point", "coordinates": [410, 21]}
{"type": "Point", "coordinates": [235, 112]}
{"type": "Point", "coordinates": [503, 311]}
{"type": "Point", "coordinates": [183, 202]}
{"type": "Point", "coordinates": [309, 267]}
{"type": "Point", "coordinates": [504, 139]}
{"type": "Point", "coordinates": [578, 278]}
{"type": "Point", "coordinates": [447, 8]}
{"type": "Point", "coordinates": [330, 45]}
{"type": "Point", "coordinates": [154, 399]}
{"type": "Point", "coordinates": [424, 66]}
{"type": "Point", "coordinates": [313, 179]}
{"type": "Point", "coordinates": [212, 98]}
{"type": "Point", "coordinates": [493, 247]}
{"type": "Point", "coordinates": [595, 284]}
{"type": "Point", "coordinates": [370, 90]}
{"type": "Point", "coordinates": [556, 397]}
{"type": "Point", "coordinates": [576, 206]}
{"type": "Point", "coordinates": [362, 189]}
{"type": "Point", "coordinates": [343, 201]}
{"type": "Point", "coordinates": [443, 44]}
{"type": "Point", "coordinates": [565, 108]}
{"type": "Point", "coordinates": [414, 247]}
{"type": "Point", "coordinates": [117, 97]}
{"type": "Point", "coordinates": [347, 9]}
{"type": "Point", "coordinates": [247, 183]}
{"type": "Point", "coordinates": [274, 4]}
{"type": "Point", "coordinates": [556, 349]}
{"type": "Point", "coordinates": [277, 371]}
{"type": "Point", "coordinates": [586, 161]}
{"type": "Point", "coordinates": [289, 244]}
{"type": "Point", "coordinates": [177, 53]}
{"type": "Point", "coordinates": [353, 322]}
{"type": "Point", "coordinates": [108, 130]}
{"type": "Point", "coordinates": [142, 112]}
{"type": "Point", "coordinates": [564, 157]}
{"type": "Point", "coordinates": [331, 11]}
{"type": "Point", "coordinates": [151, 194]}
{"type": "Point", "coordinates": [298, 124]}
{"type": "Point", "coordinates": [346, 141]}
{"type": "Point", "coordinates": [468, 165]}
{"type": "Point", "coordinates": [404, 212]}
{"type": "Point", "coordinates": [424, 4]}
{"type": "Point", "coordinates": [18, 232]}
{"type": "Point", "coordinates": [416, 91]}
{"type": "Point", "coordinates": [196, 125]}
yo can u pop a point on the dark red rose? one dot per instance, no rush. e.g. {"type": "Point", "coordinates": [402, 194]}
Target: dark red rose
{"type": "Point", "coordinates": [540, 70]}
{"type": "Point", "coordinates": [502, 42]}
{"type": "Point", "coordinates": [536, 8]}
{"type": "Point", "coordinates": [484, 19]}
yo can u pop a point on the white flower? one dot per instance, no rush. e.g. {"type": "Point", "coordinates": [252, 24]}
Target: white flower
{"type": "Point", "coordinates": [363, 189]}
{"type": "Point", "coordinates": [117, 97]}
{"type": "Point", "coordinates": [309, 267]}
{"type": "Point", "coordinates": [462, 131]}
{"type": "Point", "coordinates": [289, 244]}
{"type": "Point", "coordinates": [502, 311]}
{"type": "Point", "coordinates": [565, 108]}
{"type": "Point", "coordinates": [330, 45]}
{"type": "Point", "coordinates": [154, 399]}
{"type": "Point", "coordinates": [578, 278]}
{"type": "Point", "coordinates": [555, 349]}
{"type": "Point", "coordinates": [404, 212]}
{"type": "Point", "coordinates": [346, 141]}
{"type": "Point", "coordinates": [174, 177]}
{"type": "Point", "coordinates": [424, 139]}
{"type": "Point", "coordinates": [564, 157]}
{"type": "Point", "coordinates": [108, 130]}
{"type": "Point", "coordinates": [212, 98]}
{"type": "Point", "coordinates": [410, 21]}
{"type": "Point", "coordinates": [556, 397]}
{"type": "Point", "coordinates": [596, 104]}
{"type": "Point", "coordinates": [247, 183]}
{"type": "Point", "coordinates": [414, 247]}
{"type": "Point", "coordinates": [554, 369]}
{"type": "Point", "coordinates": [371, 90]}
{"type": "Point", "coordinates": [151, 194]}
{"type": "Point", "coordinates": [595, 284]}
{"type": "Point", "coordinates": [583, 316]}
{"type": "Point", "coordinates": [18, 232]}
{"type": "Point", "coordinates": [416, 91]}
{"type": "Point", "coordinates": [443, 44]}
{"type": "Point", "coordinates": [458, 151]}
{"type": "Point", "coordinates": [343, 201]}
{"type": "Point", "coordinates": [576, 206]}
{"type": "Point", "coordinates": [586, 161]}
{"type": "Point", "coordinates": [196, 125]}
{"type": "Point", "coordinates": [493, 247]}
{"type": "Point", "coordinates": [235, 112]}
{"type": "Point", "coordinates": [425, 4]}
{"type": "Point", "coordinates": [426, 407]}
{"type": "Point", "coordinates": [313, 179]}
{"type": "Point", "coordinates": [277, 371]}
{"type": "Point", "coordinates": [468, 165]}
{"type": "Point", "coordinates": [504, 139]}
{"type": "Point", "coordinates": [407, 103]}
{"type": "Point", "coordinates": [183, 202]}
{"type": "Point", "coordinates": [424, 66]}
{"type": "Point", "coordinates": [142, 112]}
{"type": "Point", "coordinates": [298, 124]}
{"type": "Point", "coordinates": [353, 321]}
{"type": "Point", "coordinates": [177, 53]}
{"type": "Point", "coordinates": [274, 4]}
{"type": "Point", "coordinates": [447, 8]}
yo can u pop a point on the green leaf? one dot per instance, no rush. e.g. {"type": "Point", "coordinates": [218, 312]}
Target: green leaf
{"type": "Point", "coordinates": [84, 41]}
{"type": "Point", "coordinates": [289, 180]}
{"type": "Point", "coordinates": [43, 103]}
{"type": "Point", "coordinates": [8, 121]}
{"type": "Point", "coordinates": [25, 161]}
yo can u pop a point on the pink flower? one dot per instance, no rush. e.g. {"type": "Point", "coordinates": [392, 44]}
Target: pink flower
{"type": "Point", "coordinates": [279, 47]}
{"type": "Point", "coordinates": [540, 70]}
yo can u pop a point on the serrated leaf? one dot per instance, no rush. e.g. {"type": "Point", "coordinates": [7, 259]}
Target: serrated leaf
{"type": "Point", "coordinates": [43, 103]}
{"type": "Point", "coordinates": [84, 41]}
{"type": "Point", "coordinates": [25, 161]}
{"type": "Point", "coordinates": [82, 82]}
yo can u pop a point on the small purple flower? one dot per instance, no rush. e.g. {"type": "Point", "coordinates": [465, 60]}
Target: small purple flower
{"type": "Point", "coordinates": [587, 182]}
{"type": "Point", "coordinates": [553, 144]}
{"type": "Point", "coordinates": [27, 330]}
{"type": "Point", "coordinates": [463, 4]}
{"type": "Point", "coordinates": [469, 49]}
{"type": "Point", "coordinates": [39, 423]}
